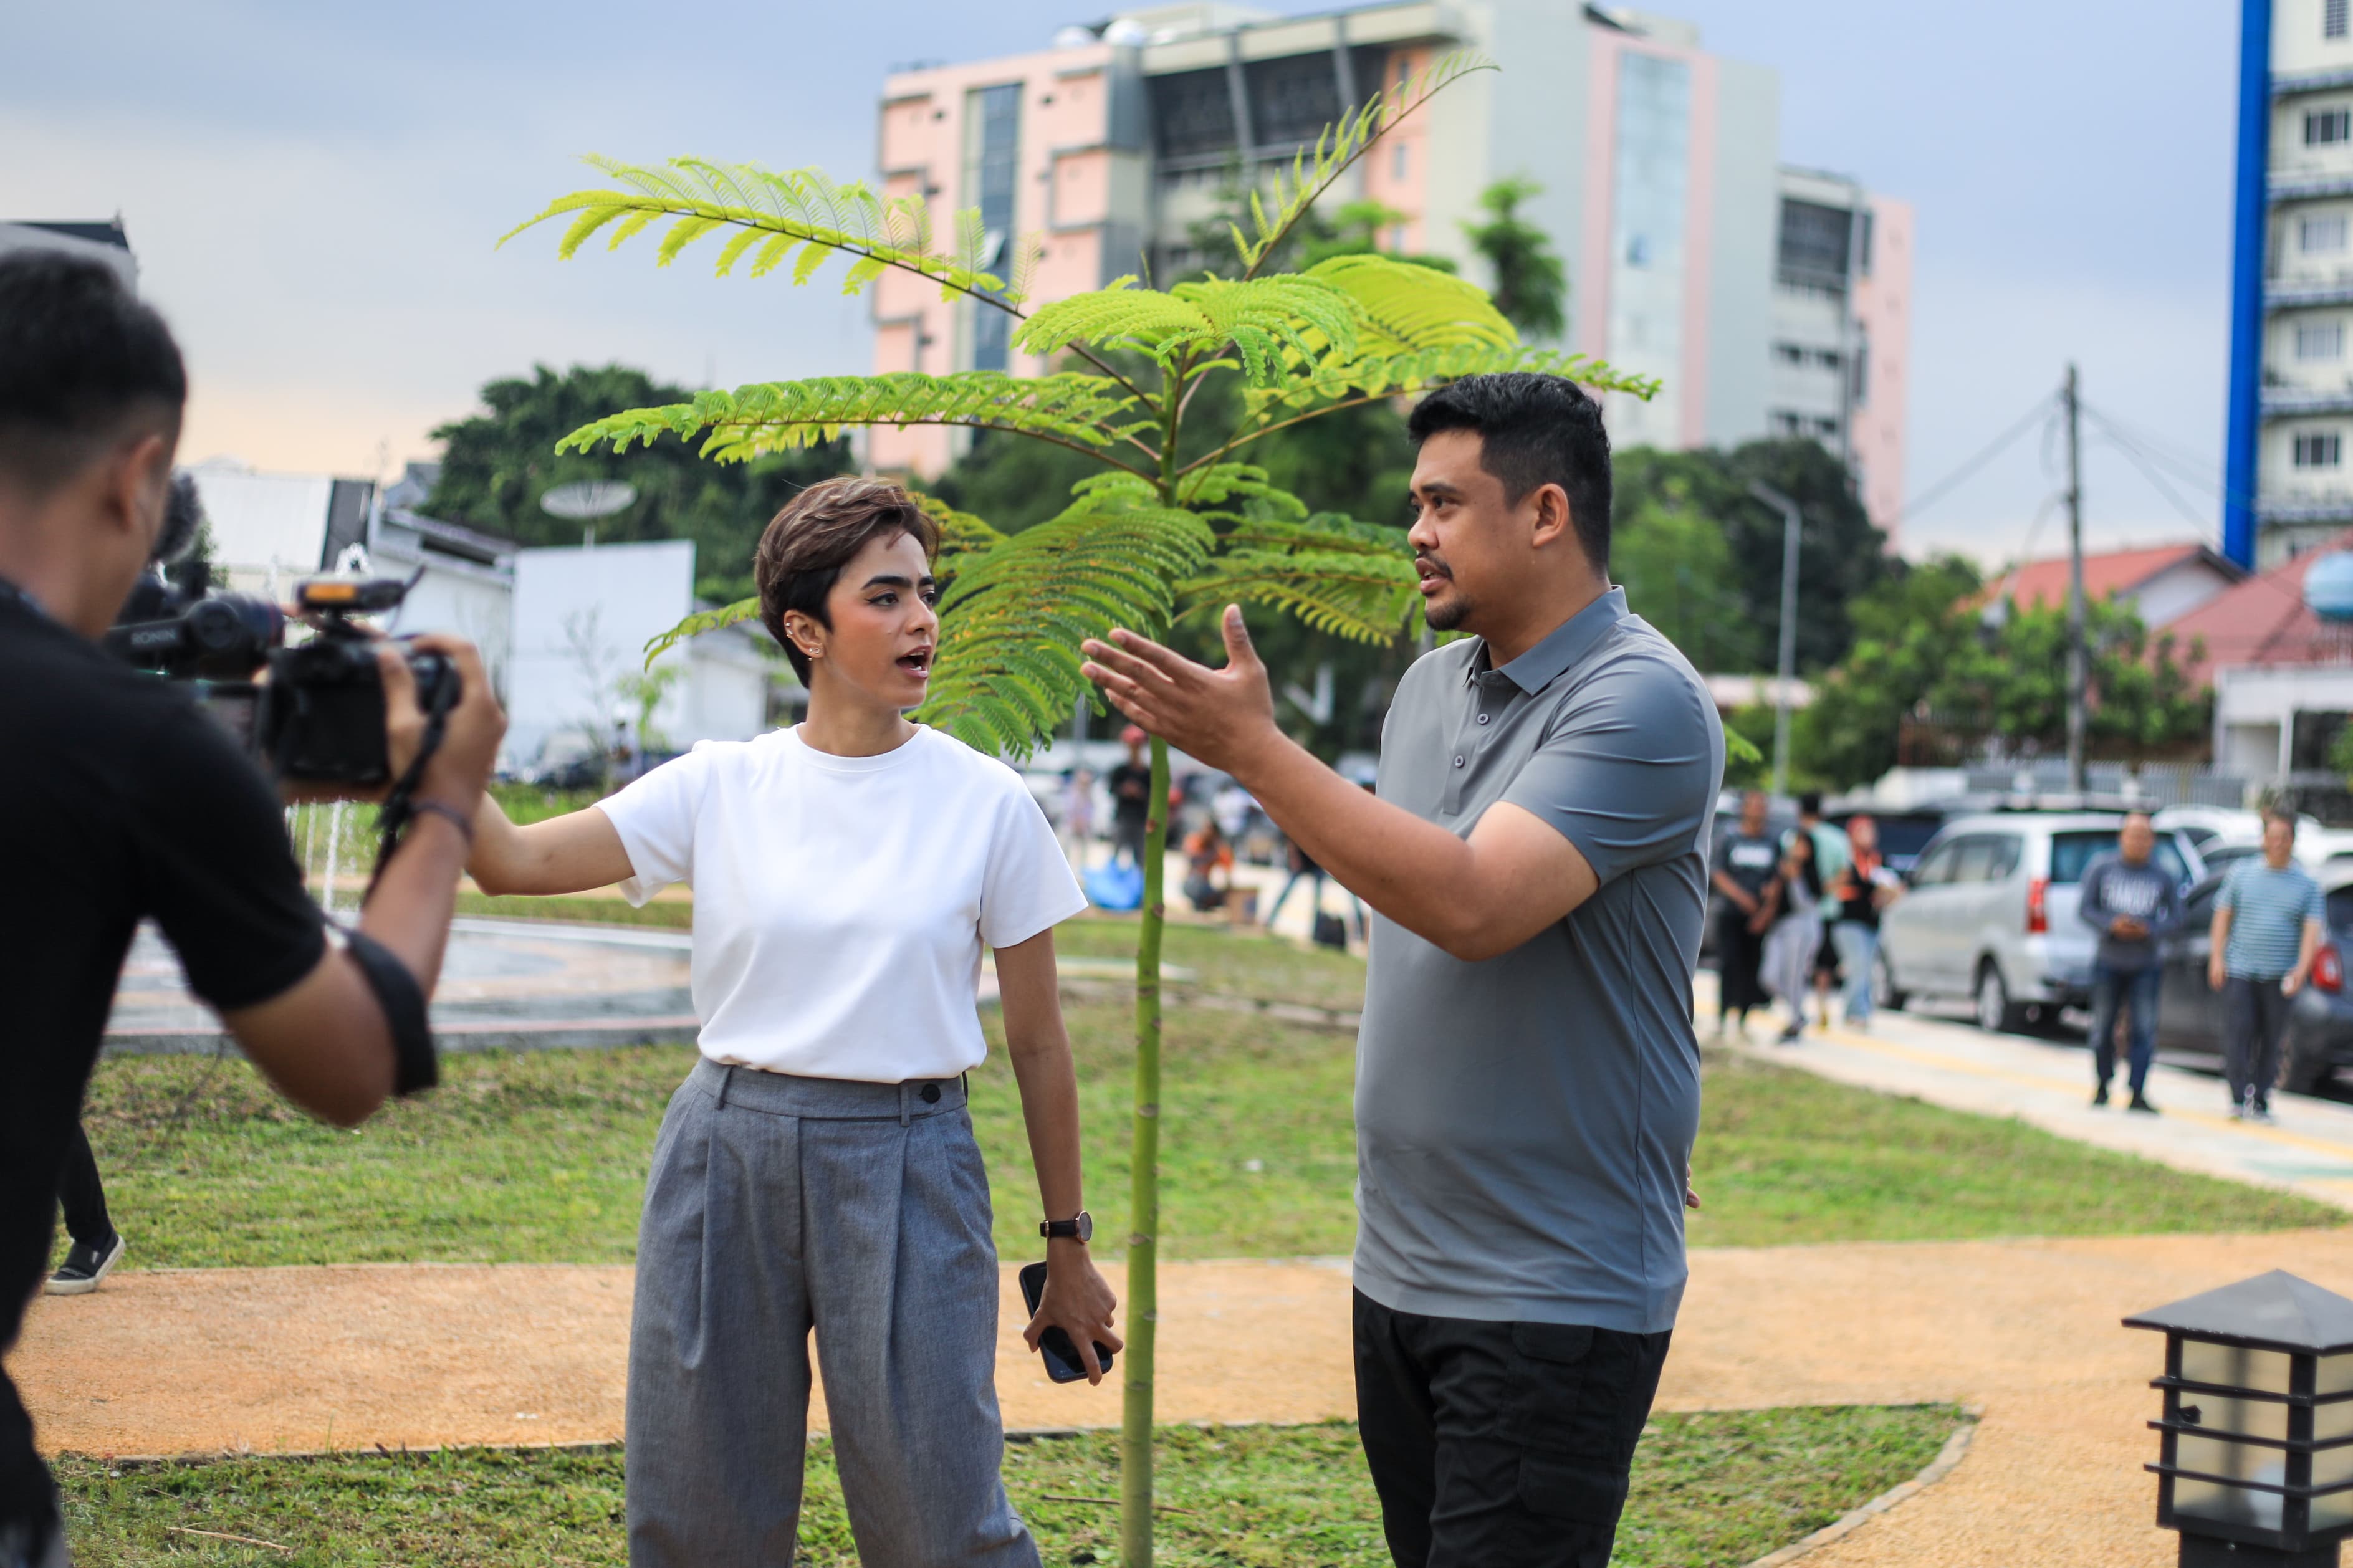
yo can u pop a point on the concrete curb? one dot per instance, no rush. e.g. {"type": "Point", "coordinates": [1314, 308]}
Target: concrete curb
{"type": "Point", "coordinates": [1947, 1458]}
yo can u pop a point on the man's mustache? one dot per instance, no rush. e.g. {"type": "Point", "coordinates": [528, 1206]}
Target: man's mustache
{"type": "Point", "coordinates": [1432, 564]}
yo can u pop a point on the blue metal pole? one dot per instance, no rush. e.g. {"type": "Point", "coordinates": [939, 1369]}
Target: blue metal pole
{"type": "Point", "coordinates": [2249, 226]}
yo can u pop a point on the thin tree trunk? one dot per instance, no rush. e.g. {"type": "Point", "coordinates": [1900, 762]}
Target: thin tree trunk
{"type": "Point", "coordinates": [1143, 1244]}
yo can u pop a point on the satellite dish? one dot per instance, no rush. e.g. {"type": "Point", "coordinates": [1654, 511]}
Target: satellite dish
{"type": "Point", "coordinates": [2329, 586]}
{"type": "Point", "coordinates": [587, 499]}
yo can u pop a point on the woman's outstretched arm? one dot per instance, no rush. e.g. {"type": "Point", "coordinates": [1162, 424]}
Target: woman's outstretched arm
{"type": "Point", "coordinates": [1076, 1300]}
{"type": "Point", "coordinates": [569, 854]}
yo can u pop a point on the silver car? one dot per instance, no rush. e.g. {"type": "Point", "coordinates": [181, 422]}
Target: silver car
{"type": "Point", "coordinates": [1990, 914]}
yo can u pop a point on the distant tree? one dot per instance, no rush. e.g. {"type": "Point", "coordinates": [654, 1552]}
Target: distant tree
{"type": "Point", "coordinates": [1676, 569]}
{"type": "Point", "coordinates": [1531, 288]}
{"type": "Point", "coordinates": [1841, 556]}
{"type": "Point", "coordinates": [1925, 650]}
{"type": "Point", "coordinates": [496, 464]}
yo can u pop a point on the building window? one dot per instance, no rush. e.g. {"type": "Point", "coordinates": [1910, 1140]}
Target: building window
{"type": "Point", "coordinates": [2320, 339]}
{"type": "Point", "coordinates": [992, 131]}
{"type": "Point", "coordinates": [2326, 127]}
{"type": "Point", "coordinates": [1789, 353]}
{"type": "Point", "coordinates": [1397, 162]}
{"type": "Point", "coordinates": [2320, 451]}
{"type": "Point", "coordinates": [2321, 234]}
{"type": "Point", "coordinates": [2332, 18]}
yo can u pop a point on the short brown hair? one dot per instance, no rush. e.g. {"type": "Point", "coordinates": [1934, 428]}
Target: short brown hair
{"type": "Point", "coordinates": [807, 544]}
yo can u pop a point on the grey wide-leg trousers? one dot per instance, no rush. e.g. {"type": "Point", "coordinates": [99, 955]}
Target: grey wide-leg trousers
{"type": "Point", "coordinates": [777, 1205]}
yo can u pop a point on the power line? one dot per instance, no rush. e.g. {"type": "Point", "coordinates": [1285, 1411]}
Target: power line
{"type": "Point", "coordinates": [1943, 487]}
{"type": "Point", "coordinates": [2133, 455]}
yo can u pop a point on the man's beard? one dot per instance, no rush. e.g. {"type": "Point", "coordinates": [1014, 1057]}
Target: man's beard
{"type": "Point", "coordinates": [1445, 616]}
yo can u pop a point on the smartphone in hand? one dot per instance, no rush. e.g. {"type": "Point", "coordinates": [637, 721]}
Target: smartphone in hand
{"type": "Point", "coordinates": [1063, 1363]}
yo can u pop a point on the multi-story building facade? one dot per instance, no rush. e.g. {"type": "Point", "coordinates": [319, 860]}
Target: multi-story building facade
{"type": "Point", "coordinates": [2287, 484]}
{"type": "Point", "coordinates": [1121, 147]}
{"type": "Point", "coordinates": [1842, 327]}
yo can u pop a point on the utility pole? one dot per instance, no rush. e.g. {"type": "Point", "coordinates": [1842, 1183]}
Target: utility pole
{"type": "Point", "coordinates": [1786, 665]}
{"type": "Point", "coordinates": [2077, 674]}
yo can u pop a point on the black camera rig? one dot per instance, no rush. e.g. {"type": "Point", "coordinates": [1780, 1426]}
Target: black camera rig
{"type": "Point", "coordinates": [318, 715]}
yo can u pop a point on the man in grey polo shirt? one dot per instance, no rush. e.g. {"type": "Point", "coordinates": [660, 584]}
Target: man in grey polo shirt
{"type": "Point", "coordinates": [1527, 1082]}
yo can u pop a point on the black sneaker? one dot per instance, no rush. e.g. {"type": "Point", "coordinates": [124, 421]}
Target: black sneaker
{"type": "Point", "coordinates": [2100, 1095]}
{"type": "Point", "coordinates": [2140, 1103]}
{"type": "Point", "coordinates": [84, 1267]}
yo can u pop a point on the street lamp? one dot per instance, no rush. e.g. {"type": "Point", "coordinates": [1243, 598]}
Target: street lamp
{"type": "Point", "coordinates": [2256, 1457]}
{"type": "Point", "coordinates": [1786, 665]}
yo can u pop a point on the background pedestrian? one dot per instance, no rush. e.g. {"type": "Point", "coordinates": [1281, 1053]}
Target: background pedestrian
{"type": "Point", "coordinates": [2267, 927]}
{"type": "Point", "coordinates": [2133, 903]}
{"type": "Point", "coordinates": [1745, 862]}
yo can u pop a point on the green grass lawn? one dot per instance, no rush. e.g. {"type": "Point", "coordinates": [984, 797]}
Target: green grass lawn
{"type": "Point", "coordinates": [541, 1157]}
{"type": "Point", "coordinates": [1264, 968]}
{"type": "Point", "coordinates": [1710, 1489]}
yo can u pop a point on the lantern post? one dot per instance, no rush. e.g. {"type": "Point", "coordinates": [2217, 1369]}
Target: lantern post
{"type": "Point", "coordinates": [2256, 1458]}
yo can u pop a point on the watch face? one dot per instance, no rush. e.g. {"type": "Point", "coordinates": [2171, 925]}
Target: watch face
{"type": "Point", "coordinates": [1086, 1225]}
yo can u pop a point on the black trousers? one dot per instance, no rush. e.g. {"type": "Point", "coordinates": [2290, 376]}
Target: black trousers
{"type": "Point", "coordinates": [1498, 1445]}
{"type": "Point", "coordinates": [2254, 1016]}
{"type": "Point", "coordinates": [82, 1195]}
{"type": "Point", "coordinates": [1740, 954]}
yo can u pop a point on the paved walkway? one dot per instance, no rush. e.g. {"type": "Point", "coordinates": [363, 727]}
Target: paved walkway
{"type": "Point", "coordinates": [349, 1357]}
{"type": "Point", "coordinates": [2049, 1084]}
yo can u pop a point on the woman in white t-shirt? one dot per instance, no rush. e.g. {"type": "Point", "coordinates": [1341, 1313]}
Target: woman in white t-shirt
{"type": "Point", "coordinates": [817, 1170]}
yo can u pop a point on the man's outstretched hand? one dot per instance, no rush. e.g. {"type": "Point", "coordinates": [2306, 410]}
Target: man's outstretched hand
{"type": "Point", "coordinates": [1220, 717]}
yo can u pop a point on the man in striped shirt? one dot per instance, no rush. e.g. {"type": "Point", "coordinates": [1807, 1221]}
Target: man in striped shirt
{"type": "Point", "coordinates": [2267, 927]}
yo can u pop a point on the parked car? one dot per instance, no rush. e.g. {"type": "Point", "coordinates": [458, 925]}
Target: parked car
{"type": "Point", "coordinates": [1990, 914]}
{"type": "Point", "coordinates": [2319, 1037]}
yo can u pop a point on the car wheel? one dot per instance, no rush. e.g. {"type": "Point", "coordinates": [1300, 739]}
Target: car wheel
{"type": "Point", "coordinates": [1996, 1015]}
{"type": "Point", "coordinates": [2308, 1066]}
{"type": "Point", "coordinates": [1884, 990]}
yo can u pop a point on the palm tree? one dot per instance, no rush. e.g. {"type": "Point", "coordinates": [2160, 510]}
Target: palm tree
{"type": "Point", "coordinates": [1147, 542]}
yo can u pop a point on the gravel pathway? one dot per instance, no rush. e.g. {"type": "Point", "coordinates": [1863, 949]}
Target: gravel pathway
{"type": "Point", "coordinates": [267, 1359]}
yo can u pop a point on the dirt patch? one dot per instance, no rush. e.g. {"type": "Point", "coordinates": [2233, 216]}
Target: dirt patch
{"type": "Point", "coordinates": [171, 1362]}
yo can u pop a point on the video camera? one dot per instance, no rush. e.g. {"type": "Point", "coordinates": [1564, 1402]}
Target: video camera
{"type": "Point", "coordinates": [319, 715]}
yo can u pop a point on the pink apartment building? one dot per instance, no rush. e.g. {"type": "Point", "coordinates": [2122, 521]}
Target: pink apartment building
{"type": "Point", "coordinates": [1770, 301]}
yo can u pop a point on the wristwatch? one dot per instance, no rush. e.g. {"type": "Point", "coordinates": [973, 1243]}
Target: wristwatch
{"type": "Point", "coordinates": [1083, 1228]}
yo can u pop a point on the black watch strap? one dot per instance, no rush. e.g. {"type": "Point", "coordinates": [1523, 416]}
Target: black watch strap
{"type": "Point", "coordinates": [1081, 1228]}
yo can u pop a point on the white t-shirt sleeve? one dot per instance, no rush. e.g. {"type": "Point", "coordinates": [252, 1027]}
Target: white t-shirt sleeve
{"type": "Point", "coordinates": [656, 816]}
{"type": "Point", "coordinates": [1028, 887]}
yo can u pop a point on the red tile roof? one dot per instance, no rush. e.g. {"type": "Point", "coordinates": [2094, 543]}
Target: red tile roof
{"type": "Point", "coordinates": [2263, 620]}
{"type": "Point", "coordinates": [2118, 571]}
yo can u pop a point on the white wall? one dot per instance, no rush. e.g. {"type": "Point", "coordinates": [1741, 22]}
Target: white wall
{"type": "Point", "coordinates": [2177, 591]}
{"type": "Point", "coordinates": [264, 526]}
{"type": "Point", "coordinates": [2258, 703]}
{"type": "Point", "coordinates": [476, 603]}
{"type": "Point", "coordinates": [578, 611]}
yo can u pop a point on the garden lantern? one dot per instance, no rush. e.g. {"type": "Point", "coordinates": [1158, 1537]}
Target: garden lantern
{"type": "Point", "coordinates": [2256, 1457]}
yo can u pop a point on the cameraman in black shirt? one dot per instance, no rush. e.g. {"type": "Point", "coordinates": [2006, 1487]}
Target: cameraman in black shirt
{"type": "Point", "coordinates": [119, 800]}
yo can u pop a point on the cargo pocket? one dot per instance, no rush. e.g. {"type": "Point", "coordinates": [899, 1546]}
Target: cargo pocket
{"type": "Point", "coordinates": [1587, 1490]}
{"type": "Point", "coordinates": [1549, 1384]}
{"type": "Point", "coordinates": [1579, 1394]}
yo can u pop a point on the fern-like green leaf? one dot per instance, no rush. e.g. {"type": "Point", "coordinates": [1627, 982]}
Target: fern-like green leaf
{"type": "Point", "coordinates": [1257, 316]}
{"type": "Point", "coordinates": [1339, 147]}
{"type": "Point", "coordinates": [701, 621]}
{"type": "Point", "coordinates": [1407, 307]}
{"type": "Point", "coordinates": [1008, 671]}
{"type": "Point", "coordinates": [1406, 374]}
{"type": "Point", "coordinates": [797, 206]}
{"type": "Point", "coordinates": [1361, 595]}
{"type": "Point", "coordinates": [772, 416]}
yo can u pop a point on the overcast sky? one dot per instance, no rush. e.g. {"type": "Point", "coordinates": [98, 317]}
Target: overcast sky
{"type": "Point", "coordinates": [313, 193]}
